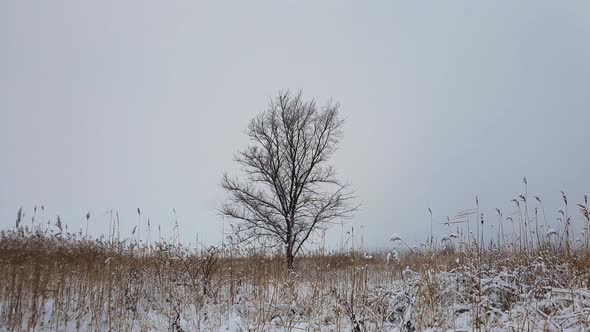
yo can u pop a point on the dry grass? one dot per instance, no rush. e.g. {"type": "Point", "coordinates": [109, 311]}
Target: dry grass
{"type": "Point", "coordinates": [58, 283]}
{"type": "Point", "coordinates": [519, 280]}
{"type": "Point", "coordinates": [55, 282]}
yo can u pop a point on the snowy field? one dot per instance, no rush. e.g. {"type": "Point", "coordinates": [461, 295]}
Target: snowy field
{"type": "Point", "coordinates": [504, 305]}
{"type": "Point", "coordinates": [51, 284]}
{"type": "Point", "coordinates": [403, 306]}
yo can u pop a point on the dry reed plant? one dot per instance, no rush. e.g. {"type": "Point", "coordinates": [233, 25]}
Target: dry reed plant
{"type": "Point", "coordinates": [524, 279]}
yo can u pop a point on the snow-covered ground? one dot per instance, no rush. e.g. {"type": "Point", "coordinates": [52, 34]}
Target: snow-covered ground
{"type": "Point", "coordinates": [437, 301]}
{"type": "Point", "coordinates": [66, 284]}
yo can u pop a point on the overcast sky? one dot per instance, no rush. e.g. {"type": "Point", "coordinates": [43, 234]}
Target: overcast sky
{"type": "Point", "coordinates": [126, 104]}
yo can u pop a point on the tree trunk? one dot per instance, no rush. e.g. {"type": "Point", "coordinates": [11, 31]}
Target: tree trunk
{"type": "Point", "coordinates": [290, 275]}
{"type": "Point", "coordinates": [289, 257]}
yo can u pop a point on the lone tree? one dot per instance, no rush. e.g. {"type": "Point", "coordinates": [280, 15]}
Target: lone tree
{"type": "Point", "coordinates": [289, 191]}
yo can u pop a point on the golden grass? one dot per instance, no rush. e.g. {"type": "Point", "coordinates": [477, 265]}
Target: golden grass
{"type": "Point", "coordinates": [57, 283]}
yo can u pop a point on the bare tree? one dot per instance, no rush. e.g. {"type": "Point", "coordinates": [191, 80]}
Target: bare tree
{"type": "Point", "coordinates": [289, 191]}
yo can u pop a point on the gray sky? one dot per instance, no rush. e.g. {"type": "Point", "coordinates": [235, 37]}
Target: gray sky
{"type": "Point", "coordinates": [126, 104]}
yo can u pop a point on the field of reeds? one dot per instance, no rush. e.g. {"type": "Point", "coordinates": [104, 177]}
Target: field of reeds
{"type": "Point", "coordinates": [525, 276]}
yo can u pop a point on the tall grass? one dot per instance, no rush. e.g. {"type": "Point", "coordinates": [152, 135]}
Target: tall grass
{"type": "Point", "coordinates": [55, 280]}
